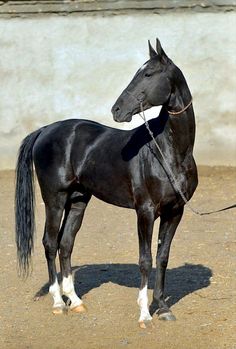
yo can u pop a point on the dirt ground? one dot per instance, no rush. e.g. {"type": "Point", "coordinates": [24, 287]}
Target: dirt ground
{"type": "Point", "coordinates": [201, 278]}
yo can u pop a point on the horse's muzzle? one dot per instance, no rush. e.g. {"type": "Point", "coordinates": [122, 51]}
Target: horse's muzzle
{"type": "Point", "coordinates": [119, 118]}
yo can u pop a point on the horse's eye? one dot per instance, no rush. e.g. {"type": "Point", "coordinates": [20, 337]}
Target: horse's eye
{"type": "Point", "coordinates": [147, 75]}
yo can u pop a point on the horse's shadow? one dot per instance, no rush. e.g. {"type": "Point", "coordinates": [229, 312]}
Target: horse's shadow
{"type": "Point", "coordinates": [180, 281]}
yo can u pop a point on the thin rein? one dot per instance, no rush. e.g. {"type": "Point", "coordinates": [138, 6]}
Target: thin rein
{"type": "Point", "coordinates": [175, 182]}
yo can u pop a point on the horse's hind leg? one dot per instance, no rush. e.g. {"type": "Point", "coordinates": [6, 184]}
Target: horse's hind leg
{"type": "Point", "coordinates": [54, 211]}
{"type": "Point", "coordinates": [168, 225]}
{"type": "Point", "coordinates": [145, 230]}
{"type": "Point", "coordinates": [72, 224]}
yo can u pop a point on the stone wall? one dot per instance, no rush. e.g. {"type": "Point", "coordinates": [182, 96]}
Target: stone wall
{"type": "Point", "coordinates": [57, 65]}
{"type": "Point", "coordinates": [22, 8]}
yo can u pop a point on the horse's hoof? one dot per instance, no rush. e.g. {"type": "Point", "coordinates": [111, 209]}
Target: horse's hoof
{"type": "Point", "coordinates": [167, 316]}
{"type": "Point", "coordinates": [79, 309]}
{"type": "Point", "coordinates": [145, 324]}
{"type": "Point", "coordinates": [142, 324]}
{"type": "Point", "coordinates": [58, 310]}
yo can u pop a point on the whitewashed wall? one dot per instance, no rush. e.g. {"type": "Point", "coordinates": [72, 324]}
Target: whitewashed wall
{"type": "Point", "coordinates": [53, 68]}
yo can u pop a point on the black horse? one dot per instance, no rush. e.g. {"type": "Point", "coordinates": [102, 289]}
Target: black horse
{"type": "Point", "coordinates": [75, 159]}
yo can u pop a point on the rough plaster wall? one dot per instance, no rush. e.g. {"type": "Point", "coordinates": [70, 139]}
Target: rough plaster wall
{"type": "Point", "coordinates": [55, 68]}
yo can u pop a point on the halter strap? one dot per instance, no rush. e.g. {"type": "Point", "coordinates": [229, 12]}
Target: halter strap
{"type": "Point", "coordinates": [182, 110]}
{"type": "Point", "coordinates": [171, 175]}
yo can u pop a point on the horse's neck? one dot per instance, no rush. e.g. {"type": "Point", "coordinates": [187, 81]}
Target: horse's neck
{"type": "Point", "coordinates": [182, 125]}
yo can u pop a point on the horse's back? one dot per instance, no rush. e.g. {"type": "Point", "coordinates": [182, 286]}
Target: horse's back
{"type": "Point", "coordinates": [53, 148]}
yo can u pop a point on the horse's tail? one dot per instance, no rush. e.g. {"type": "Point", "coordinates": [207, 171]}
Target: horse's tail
{"type": "Point", "coordinates": [24, 203]}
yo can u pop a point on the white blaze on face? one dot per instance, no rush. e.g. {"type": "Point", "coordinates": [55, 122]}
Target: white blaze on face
{"type": "Point", "coordinates": [54, 290]}
{"type": "Point", "coordinates": [69, 291]}
{"type": "Point", "coordinates": [143, 304]}
{"type": "Point", "coordinates": [143, 67]}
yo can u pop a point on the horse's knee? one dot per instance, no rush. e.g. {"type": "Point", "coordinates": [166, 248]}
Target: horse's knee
{"type": "Point", "coordinates": [145, 264]}
{"type": "Point", "coordinates": [65, 248]}
{"type": "Point", "coordinates": [162, 261]}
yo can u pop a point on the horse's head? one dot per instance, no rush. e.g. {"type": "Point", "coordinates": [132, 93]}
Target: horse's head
{"type": "Point", "coordinates": [150, 86]}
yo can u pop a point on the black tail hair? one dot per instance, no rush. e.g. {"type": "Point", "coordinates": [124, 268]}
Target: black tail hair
{"type": "Point", "coordinates": [24, 203]}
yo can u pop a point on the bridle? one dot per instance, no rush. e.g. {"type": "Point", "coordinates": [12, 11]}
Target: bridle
{"type": "Point", "coordinates": [170, 173]}
{"type": "Point", "coordinates": [171, 112]}
{"type": "Point", "coordinates": [182, 110]}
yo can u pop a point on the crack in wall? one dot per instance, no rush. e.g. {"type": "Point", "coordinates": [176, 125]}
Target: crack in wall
{"type": "Point", "coordinates": [19, 8]}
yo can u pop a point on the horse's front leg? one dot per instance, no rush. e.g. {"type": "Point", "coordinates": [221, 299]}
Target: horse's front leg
{"type": "Point", "coordinates": [168, 225]}
{"type": "Point", "coordinates": [145, 217]}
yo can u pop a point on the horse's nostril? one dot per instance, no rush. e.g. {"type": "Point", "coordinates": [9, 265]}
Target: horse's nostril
{"type": "Point", "coordinates": [116, 111]}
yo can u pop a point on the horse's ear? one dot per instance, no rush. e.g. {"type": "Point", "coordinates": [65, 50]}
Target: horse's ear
{"type": "Point", "coordinates": [152, 52]}
{"type": "Point", "coordinates": [161, 52]}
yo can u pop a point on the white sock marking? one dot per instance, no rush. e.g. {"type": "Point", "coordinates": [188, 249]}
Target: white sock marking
{"type": "Point", "coordinates": [69, 291]}
{"type": "Point", "coordinates": [54, 290]}
{"type": "Point", "coordinates": [143, 304]}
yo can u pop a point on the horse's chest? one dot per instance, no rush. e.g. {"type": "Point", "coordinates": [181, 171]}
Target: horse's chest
{"type": "Point", "coordinates": [161, 184]}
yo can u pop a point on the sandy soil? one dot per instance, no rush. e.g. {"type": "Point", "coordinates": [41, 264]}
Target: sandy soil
{"type": "Point", "coordinates": [201, 278]}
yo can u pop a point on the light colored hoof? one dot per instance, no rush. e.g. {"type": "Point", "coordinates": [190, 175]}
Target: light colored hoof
{"type": "Point", "coordinates": [58, 310]}
{"type": "Point", "coordinates": [144, 324]}
{"type": "Point", "coordinates": [79, 309]}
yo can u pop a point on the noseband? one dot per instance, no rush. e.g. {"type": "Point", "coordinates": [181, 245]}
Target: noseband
{"type": "Point", "coordinates": [169, 111]}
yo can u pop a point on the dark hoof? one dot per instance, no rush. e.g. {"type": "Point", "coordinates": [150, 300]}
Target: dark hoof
{"type": "Point", "coordinates": [167, 316]}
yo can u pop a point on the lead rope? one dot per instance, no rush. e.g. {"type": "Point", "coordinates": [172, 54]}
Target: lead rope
{"type": "Point", "coordinates": [171, 174]}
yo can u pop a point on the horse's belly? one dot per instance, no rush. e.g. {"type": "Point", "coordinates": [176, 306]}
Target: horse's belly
{"type": "Point", "coordinates": [107, 185]}
{"type": "Point", "coordinates": [114, 199]}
